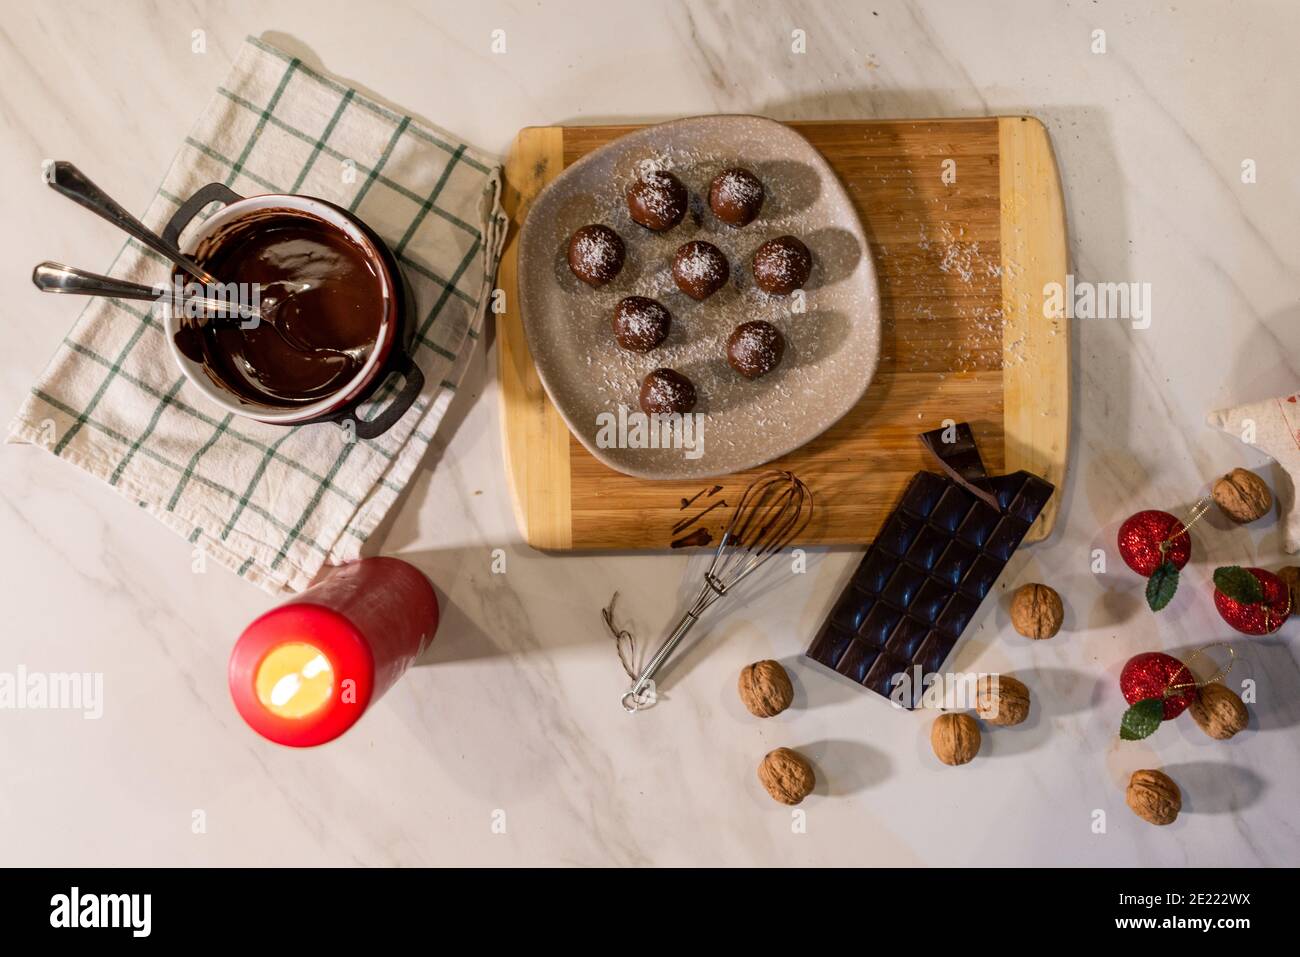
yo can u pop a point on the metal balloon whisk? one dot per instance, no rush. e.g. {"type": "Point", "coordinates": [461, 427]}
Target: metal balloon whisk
{"type": "Point", "coordinates": [773, 511]}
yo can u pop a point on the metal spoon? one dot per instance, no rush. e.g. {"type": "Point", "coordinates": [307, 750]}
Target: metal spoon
{"type": "Point", "coordinates": [65, 178]}
{"type": "Point", "coordinates": [58, 278]}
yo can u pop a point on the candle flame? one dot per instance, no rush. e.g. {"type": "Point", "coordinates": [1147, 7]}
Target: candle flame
{"type": "Point", "coordinates": [294, 680]}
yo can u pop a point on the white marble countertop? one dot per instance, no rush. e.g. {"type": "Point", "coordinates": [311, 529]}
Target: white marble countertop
{"type": "Point", "coordinates": [515, 708]}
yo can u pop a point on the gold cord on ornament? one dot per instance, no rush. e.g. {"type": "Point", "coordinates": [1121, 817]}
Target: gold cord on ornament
{"type": "Point", "coordinates": [1217, 676]}
{"type": "Point", "coordinates": [1198, 512]}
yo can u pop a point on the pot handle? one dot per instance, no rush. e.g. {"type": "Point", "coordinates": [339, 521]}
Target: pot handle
{"type": "Point", "coordinates": [212, 193]}
{"type": "Point", "coordinates": [381, 423]}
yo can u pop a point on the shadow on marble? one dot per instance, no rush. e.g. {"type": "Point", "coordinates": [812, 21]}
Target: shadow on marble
{"type": "Point", "coordinates": [1114, 607]}
{"type": "Point", "coordinates": [1023, 570]}
{"type": "Point", "coordinates": [725, 618]}
{"type": "Point", "coordinates": [845, 767]}
{"type": "Point", "coordinates": [496, 622]}
{"type": "Point", "coordinates": [818, 687]}
{"type": "Point", "coordinates": [1215, 787]}
{"type": "Point", "coordinates": [1216, 539]}
{"type": "Point", "coordinates": [1271, 664]}
{"type": "Point", "coordinates": [1054, 692]}
{"type": "Point", "coordinates": [1276, 660]}
{"type": "Point", "coordinates": [1268, 363]}
{"type": "Point", "coordinates": [460, 637]}
{"type": "Point", "coordinates": [704, 641]}
{"type": "Point", "coordinates": [1059, 691]}
{"type": "Point", "coordinates": [1267, 366]}
{"type": "Point", "coordinates": [391, 535]}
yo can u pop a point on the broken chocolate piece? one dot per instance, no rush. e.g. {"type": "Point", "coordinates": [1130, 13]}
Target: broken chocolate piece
{"type": "Point", "coordinates": [958, 455]}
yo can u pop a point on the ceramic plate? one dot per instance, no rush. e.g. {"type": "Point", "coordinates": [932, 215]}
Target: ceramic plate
{"type": "Point", "coordinates": [831, 330]}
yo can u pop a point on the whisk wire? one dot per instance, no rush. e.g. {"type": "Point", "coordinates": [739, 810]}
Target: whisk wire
{"type": "Point", "coordinates": [773, 510]}
{"type": "Point", "coordinates": [771, 513]}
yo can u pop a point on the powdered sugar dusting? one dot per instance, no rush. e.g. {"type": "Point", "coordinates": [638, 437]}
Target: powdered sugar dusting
{"type": "Point", "coordinates": [641, 323]}
{"type": "Point", "coordinates": [657, 192]}
{"type": "Point", "coordinates": [736, 188]}
{"type": "Point", "coordinates": [596, 251]}
{"type": "Point", "coordinates": [666, 390]}
{"type": "Point", "coordinates": [755, 347]}
{"type": "Point", "coordinates": [700, 262]}
{"type": "Point", "coordinates": [952, 250]}
{"type": "Point", "coordinates": [781, 265]}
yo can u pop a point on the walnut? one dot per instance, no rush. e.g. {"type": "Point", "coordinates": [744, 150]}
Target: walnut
{"type": "Point", "coordinates": [1154, 797]}
{"type": "Point", "coordinates": [787, 775]}
{"type": "Point", "coordinates": [1243, 496]}
{"type": "Point", "coordinates": [1291, 575]}
{"type": "Point", "coordinates": [1036, 611]}
{"type": "Point", "coordinates": [765, 688]}
{"type": "Point", "coordinates": [1001, 699]}
{"type": "Point", "coordinates": [955, 738]}
{"type": "Point", "coordinates": [1219, 711]}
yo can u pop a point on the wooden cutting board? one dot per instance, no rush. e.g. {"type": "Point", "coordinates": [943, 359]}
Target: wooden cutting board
{"type": "Point", "coordinates": [962, 260]}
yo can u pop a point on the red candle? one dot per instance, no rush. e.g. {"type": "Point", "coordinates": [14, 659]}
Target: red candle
{"type": "Point", "coordinates": [303, 673]}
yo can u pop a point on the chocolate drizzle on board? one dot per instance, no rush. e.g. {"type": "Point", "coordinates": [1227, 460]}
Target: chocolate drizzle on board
{"type": "Point", "coordinates": [698, 538]}
{"type": "Point", "coordinates": [701, 536]}
{"type": "Point", "coordinates": [691, 520]}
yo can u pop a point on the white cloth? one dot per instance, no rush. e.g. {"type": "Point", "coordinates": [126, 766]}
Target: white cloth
{"type": "Point", "coordinates": [1273, 427]}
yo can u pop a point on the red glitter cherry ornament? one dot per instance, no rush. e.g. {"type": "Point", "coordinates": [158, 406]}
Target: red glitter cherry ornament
{"type": "Point", "coordinates": [1252, 610]}
{"type": "Point", "coordinates": [1157, 675]}
{"type": "Point", "coordinates": [1156, 545]}
{"type": "Point", "coordinates": [1149, 538]}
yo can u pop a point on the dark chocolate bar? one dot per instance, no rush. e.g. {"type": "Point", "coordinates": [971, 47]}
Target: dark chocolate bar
{"type": "Point", "coordinates": [933, 561]}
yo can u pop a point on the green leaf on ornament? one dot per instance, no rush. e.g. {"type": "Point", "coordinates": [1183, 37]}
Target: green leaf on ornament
{"type": "Point", "coordinates": [1141, 720]}
{"type": "Point", "coordinates": [1162, 584]}
{"type": "Point", "coordinates": [1238, 584]}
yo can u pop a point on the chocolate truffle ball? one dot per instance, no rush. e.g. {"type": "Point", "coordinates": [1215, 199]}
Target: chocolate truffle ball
{"type": "Point", "coordinates": [700, 269]}
{"type": "Point", "coordinates": [782, 265]}
{"type": "Point", "coordinates": [640, 324]}
{"type": "Point", "coordinates": [657, 201]}
{"type": "Point", "coordinates": [595, 254]}
{"type": "Point", "coordinates": [755, 348]}
{"type": "Point", "coordinates": [736, 196]}
{"type": "Point", "coordinates": [667, 390]}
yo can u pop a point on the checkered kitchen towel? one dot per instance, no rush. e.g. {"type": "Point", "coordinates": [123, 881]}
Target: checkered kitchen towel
{"type": "Point", "coordinates": [275, 504]}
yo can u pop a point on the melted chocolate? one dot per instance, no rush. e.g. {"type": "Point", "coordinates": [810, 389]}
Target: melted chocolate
{"type": "Point", "coordinates": [687, 522]}
{"type": "Point", "coordinates": [322, 306]}
{"type": "Point", "coordinates": [696, 539]}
